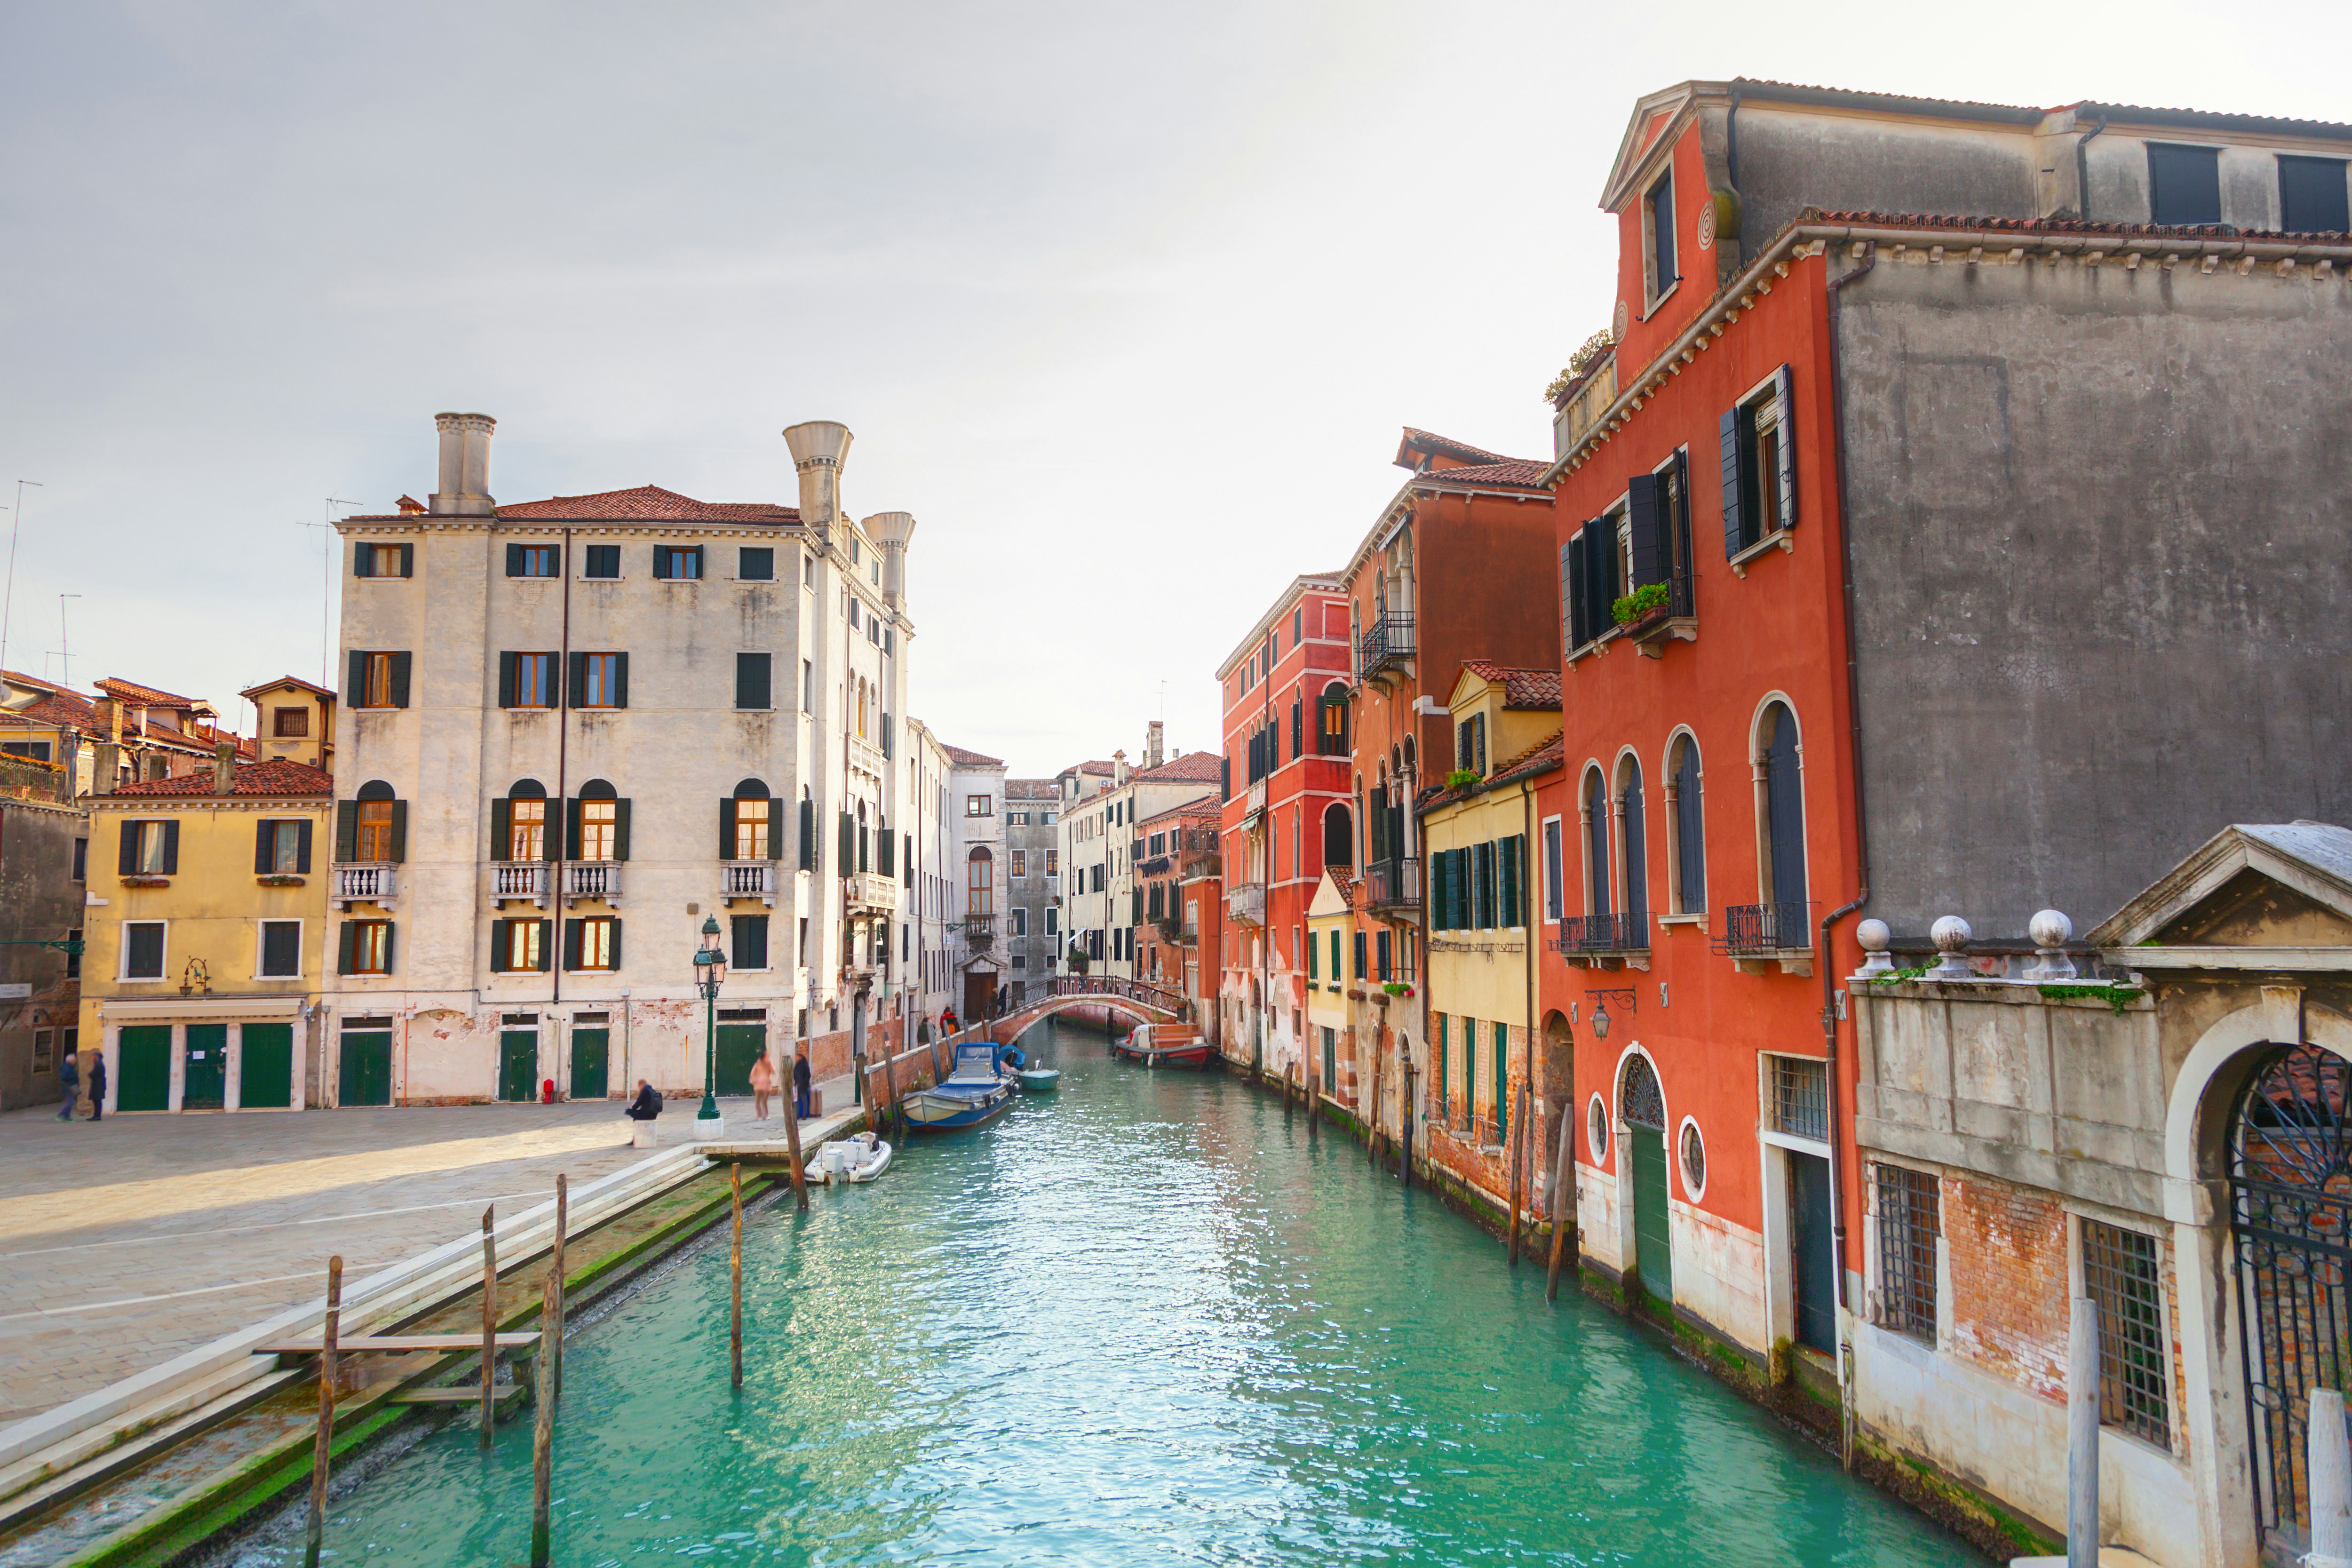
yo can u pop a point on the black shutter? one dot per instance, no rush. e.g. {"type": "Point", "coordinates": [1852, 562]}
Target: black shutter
{"type": "Point", "coordinates": [907, 846]}
{"type": "Point", "coordinates": [507, 680]}
{"type": "Point", "coordinates": [499, 945]}
{"type": "Point", "coordinates": [1297, 729]}
{"type": "Point", "coordinates": [751, 680]}
{"type": "Point", "coordinates": [808, 836]}
{"type": "Point", "coordinates": [1360, 956]}
{"type": "Point", "coordinates": [502, 826]}
{"type": "Point", "coordinates": [621, 828]}
{"type": "Point", "coordinates": [1730, 428]}
{"type": "Point", "coordinates": [1478, 728]}
{"type": "Point", "coordinates": [399, 831]}
{"type": "Point", "coordinates": [171, 846]}
{"type": "Point", "coordinates": [390, 930]}
{"type": "Point", "coordinates": [546, 945]}
{"type": "Point", "coordinates": [347, 830]}
{"type": "Point", "coordinates": [572, 943]}
{"type": "Point", "coordinates": [362, 560]}
{"type": "Point", "coordinates": [550, 839]}
{"type": "Point", "coordinates": [1224, 778]}
{"type": "Point", "coordinates": [302, 847]}
{"type": "Point", "coordinates": [886, 849]}
{"type": "Point", "coordinates": [1567, 599]}
{"type": "Point", "coordinates": [1785, 433]}
{"type": "Point", "coordinates": [400, 680]}
{"type": "Point", "coordinates": [845, 860]}
{"type": "Point", "coordinates": [575, 679]}
{"type": "Point", "coordinates": [355, 680]}
{"type": "Point", "coordinates": [661, 561]}
{"type": "Point", "coordinates": [1514, 879]}
{"type": "Point", "coordinates": [408, 561]}
{"type": "Point", "coordinates": [620, 680]}
{"type": "Point", "coordinates": [514, 560]}
{"type": "Point", "coordinates": [1647, 529]}
{"type": "Point", "coordinates": [727, 828]}
{"type": "Point", "coordinates": [346, 940]}
{"type": "Point", "coordinates": [126, 860]}
{"type": "Point", "coordinates": [1579, 568]}
{"type": "Point", "coordinates": [571, 830]}
{"type": "Point", "coordinates": [1607, 564]}
{"type": "Point", "coordinates": [1437, 891]}
{"type": "Point", "coordinates": [615, 955]}
{"type": "Point", "coordinates": [261, 867]}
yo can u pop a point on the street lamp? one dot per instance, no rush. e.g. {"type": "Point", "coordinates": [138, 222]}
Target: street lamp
{"type": "Point", "coordinates": [710, 972]}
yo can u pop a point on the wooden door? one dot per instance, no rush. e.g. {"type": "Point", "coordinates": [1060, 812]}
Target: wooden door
{"type": "Point", "coordinates": [1645, 1150]}
{"type": "Point", "coordinates": [979, 995]}
{"type": "Point", "coordinates": [1813, 1259]}
{"type": "Point", "coordinates": [142, 1067]}
{"type": "Point", "coordinates": [265, 1074]}
{"type": "Point", "coordinates": [519, 1064]}
{"type": "Point", "coordinates": [740, 1045]}
{"type": "Point", "coordinates": [366, 1075]}
{"type": "Point", "coordinates": [203, 1068]}
{"type": "Point", "coordinates": [591, 1052]}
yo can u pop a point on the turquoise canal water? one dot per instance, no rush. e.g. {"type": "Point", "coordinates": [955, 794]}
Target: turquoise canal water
{"type": "Point", "coordinates": [1142, 1321]}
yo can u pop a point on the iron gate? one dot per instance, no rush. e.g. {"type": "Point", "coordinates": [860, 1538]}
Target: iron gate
{"type": "Point", "coordinates": [2291, 1219]}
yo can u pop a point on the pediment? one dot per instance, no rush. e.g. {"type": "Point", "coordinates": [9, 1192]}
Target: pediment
{"type": "Point", "coordinates": [2267, 884]}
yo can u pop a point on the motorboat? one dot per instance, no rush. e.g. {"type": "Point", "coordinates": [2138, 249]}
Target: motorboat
{"type": "Point", "coordinates": [1165, 1045]}
{"type": "Point", "coordinates": [1038, 1081]}
{"type": "Point", "coordinates": [977, 1092]}
{"type": "Point", "coordinates": [859, 1157]}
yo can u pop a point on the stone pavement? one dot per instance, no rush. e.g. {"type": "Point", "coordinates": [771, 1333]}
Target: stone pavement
{"type": "Point", "coordinates": [125, 1242]}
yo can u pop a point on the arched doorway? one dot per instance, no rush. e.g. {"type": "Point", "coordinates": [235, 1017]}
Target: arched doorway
{"type": "Point", "coordinates": [1641, 1166]}
{"type": "Point", "coordinates": [2290, 1173]}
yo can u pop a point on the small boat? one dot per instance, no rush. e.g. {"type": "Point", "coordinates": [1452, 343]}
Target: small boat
{"type": "Point", "coordinates": [1144, 1045]}
{"type": "Point", "coordinates": [1039, 1080]}
{"type": "Point", "coordinates": [859, 1157]}
{"type": "Point", "coordinates": [976, 1092]}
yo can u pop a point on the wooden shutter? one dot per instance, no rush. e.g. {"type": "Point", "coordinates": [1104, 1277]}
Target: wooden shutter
{"type": "Point", "coordinates": [514, 560]}
{"type": "Point", "coordinates": [1478, 725]}
{"type": "Point", "coordinates": [390, 931]}
{"type": "Point", "coordinates": [347, 830]}
{"type": "Point", "coordinates": [362, 560]}
{"type": "Point", "coordinates": [346, 938]}
{"type": "Point", "coordinates": [546, 944]}
{"type": "Point", "coordinates": [1514, 892]}
{"type": "Point", "coordinates": [1785, 433]}
{"type": "Point", "coordinates": [400, 680]}
{"type": "Point", "coordinates": [727, 828]}
{"type": "Point", "coordinates": [1567, 598]}
{"type": "Point", "coordinates": [886, 849]}
{"type": "Point", "coordinates": [1730, 429]}
{"type": "Point", "coordinates": [126, 860]}
{"type": "Point", "coordinates": [261, 847]}
{"type": "Point", "coordinates": [355, 680]}
{"type": "Point", "coordinates": [551, 837]}
{"type": "Point", "coordinates": [502, 826]}
{"type": "Point", "coordinates": [571, 830]}
{"type": "Point", "coordinates": [751, 680]}
{"type": "Point", "coordinates": [1360, 955]}
{"type": "Point", "coordinates": [1573, 570]}
{"type": "Point", "coordinates": [501, 945]}
{"type": "Point", "coordinates": [1437, 891]}
{"type": "Point", "coordinates": [1646, 526]}
{"type": "Point", "coordinates": [1297, 729]}
{"type": "Point", "coordinates": [621, 828]}
{"type": "Point", "coordinates": [620, 680]}
{"type": "Point", "coordinates": [615, 953]}
{"type": "Point", "coordinates": [906, 846]}
{"type": "Point", "coordinates": [399, 831]}
{"type": "Point", "coordinates": [507, 680]}
{"type": "Point", "coordinates": [808, 836]}
{"type": "Point", "coordinates": [1601, 563]}
{"type": "Point", "coordinates": [572, 943]}
{"type": "Point", "coordinates": [847, 858]}
{"type": "Point", "coordinates": [171, 846]}
{"type": "Point", "coordinates": [408, 561]}
{"type": "Point", "coordinates": [302, 847]}
{"type": "Point", "coordinates": [661, 561]}
{"type": "Point", "coordinates": [576, 677]}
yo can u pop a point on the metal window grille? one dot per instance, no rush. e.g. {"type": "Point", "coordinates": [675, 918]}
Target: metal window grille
{"type": "Point", "coordinates": [1908, 1219]}
{"type": "Point", "coordinates": [2119, 1273]}
{"type": "Point", "coordinates": [1801, 1096]}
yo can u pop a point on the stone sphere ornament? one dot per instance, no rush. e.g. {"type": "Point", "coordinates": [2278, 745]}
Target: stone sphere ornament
{"type": "Point", "coordinates": [1875, 938]}
{"type": "Point", "coordinates": [1951, 935]}
{"type": "Point", "coordinates": [2051, 931]}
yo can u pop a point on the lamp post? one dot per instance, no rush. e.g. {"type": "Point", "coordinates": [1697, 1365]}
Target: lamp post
{"type": "Point", "coordinates": [710, 972]}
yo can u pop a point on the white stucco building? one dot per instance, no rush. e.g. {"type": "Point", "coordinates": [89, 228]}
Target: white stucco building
{"type": "Point", "coordinates": [1102, 803]}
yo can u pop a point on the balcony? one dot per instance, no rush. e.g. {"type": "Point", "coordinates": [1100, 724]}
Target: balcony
{"type": "Point", "coordinates": [366, 884]}
{"type": "Point", "coordinates": [864, 757]}
{"type": "Point", "coordinates": [1605, 936]}
{"type": "Point", "coordinates": [871, 890]}
{"type": "Point", "coordinates": [748, 880]}
{"type": "Point", "coordinates": [1673, 616]}
{"type": "Point", "coordinates": [519, 880]}
{"type": "Point", "coordinates": [1387, 644]}
{"type": "Point", "coordinates": [978, 933]}
{"type": "Point", "coordinates": [1254, 803]}
{"type": "Point", "coordinates": [1756, 935]}
{"type": "Point", "coordinates": [1246, 905]}
{"type": "Point", "coordinates": [1394, 884]}
{"type": "Point", "coordinates": [592, 879]}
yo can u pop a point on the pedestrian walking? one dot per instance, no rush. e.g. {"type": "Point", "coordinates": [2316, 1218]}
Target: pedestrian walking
{"type": "Point", "coordinates": [69, 1080]}
{"type": "Point", "coordinates": [763, 1084]}
{"type": "Point", "coordinates": [800, 1085]}
{"type": "Point", "coordinates": [97, 1085]}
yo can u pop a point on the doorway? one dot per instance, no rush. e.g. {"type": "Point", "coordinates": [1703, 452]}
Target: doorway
{"type": "Point", "coordinates": [1642, 1107]}
{"type": "Point", "coordinates": [1812, 1253]}
{"type": "Point", "coordinates": [366, 1068]}
{"type": "Point", "coordinates": [979, 994]}
{"type": "Point", "coordinates": [740, 1045]}
{"type": "Point", "coordinates": [203, 1068]}
{"type": "Point", "coordinates": [142, 1067]}
{"type": "Point", "coordinates": [518, 1064]}
{"type": "Point", "coordinates": [265, 1069]}
{"type": "Point", "coordinates": [590, 1055]}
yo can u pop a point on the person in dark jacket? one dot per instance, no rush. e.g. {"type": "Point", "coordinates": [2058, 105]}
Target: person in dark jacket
{"type": "Point", "coordinates": [646, 1105]}
{"type": "Point", "coordinates": [800, 1085]}
{"type": "Point", "coordinates": [97, 1085]}
{"type": "Point", "coordinates": [69, 1082]}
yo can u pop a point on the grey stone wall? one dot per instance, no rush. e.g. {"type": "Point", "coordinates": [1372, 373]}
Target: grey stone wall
{"type": "Point", "coordinates": [40, 902]}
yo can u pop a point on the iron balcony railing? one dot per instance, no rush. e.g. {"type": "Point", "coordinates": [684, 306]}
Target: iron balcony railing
{"type": "Point", "coordinates": [1603, 933]}
{"type": "Point", "coordinates": [1387, 640]}
{"type": "Point", "coordinates": [1766, 929]}
{"type": "Point", "coordinates": [518, 879]}
{"type": "Point", "coordinates": [376, 883]}
{"type": "Point", "coordinates": [592, 879]}
{"type": "Point", "coordinates": [1247, 904]}
{"type": "Point", "coordinates": [748, 880]}
{"type": "Point", "coordinates": [1391, 884]}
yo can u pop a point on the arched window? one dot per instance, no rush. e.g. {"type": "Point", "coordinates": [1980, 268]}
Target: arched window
{"type": "Point", "coordinates": [747, 823]}
{"type": "Point", "coordinates": [1339, 836]}
{"type": "Point", "coordinates": [861, 705]}
{"type": "Point", "coordinates": [1687, 831]}
{"type": "Point", "coordinates": [1332, 720]}
{"type": "Point", "coordinates": [524, 834]}
{"type": "Point", "coordinates": [377, 835]}
{"type": "Point", "coordinates": [980, 883]}
{"type": "Point", "coordinates": [1596, 845]}
{"type": "Point", "coordinates": [596, 831]}
{"type": "Point", "coordinates": [1780, 784]}
{"type": "Point", "coordinates": [1632, 839]}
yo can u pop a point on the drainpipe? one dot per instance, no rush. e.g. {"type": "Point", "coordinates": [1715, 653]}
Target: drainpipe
{"type": "Point", "coordinates": [1862, 853]}
{"type": "Point", "coordinates": [2082, 176]}
{"type": "Point", "coordinates": [1527, 918]}
{"type": "Point", "coordinates": [562, 787]}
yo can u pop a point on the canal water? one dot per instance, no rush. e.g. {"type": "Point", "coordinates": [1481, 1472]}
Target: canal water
{"type": "Point", "coordinates": [1144, 1320]}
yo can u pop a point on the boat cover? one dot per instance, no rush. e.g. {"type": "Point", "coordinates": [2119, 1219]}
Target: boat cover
{"type": "Point", "coordinates": [975, 1063]}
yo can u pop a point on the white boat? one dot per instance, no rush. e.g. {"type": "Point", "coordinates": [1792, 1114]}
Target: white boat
{"type": "Point", "coordinates": [976, 1092]}
{"type": "Point", "coordinates": [860, 1157]}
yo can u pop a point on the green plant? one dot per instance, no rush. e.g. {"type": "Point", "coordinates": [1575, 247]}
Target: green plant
{"type": "Point", "coordinates": [1396, 988]}
{"type": "Point", "coordinates": [1463, 778]}
{"type": "Point", "coordinates": [1897, 977]}
{"type": "Point", "coordinates": [1587, 355]}
{"type": "Point", "coordinates": [2118, 997]}
{"type": "Point", "coordinates": [1638, 603]}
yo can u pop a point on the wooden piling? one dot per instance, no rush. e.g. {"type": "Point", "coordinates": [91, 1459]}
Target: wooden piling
{"type": "Point", "coordinates": [322, 1451]}
{"type": "Point", "coordinates": [562, 1287]}
{"type": "Point", "coordinates": [793, 1138]}
{"type": "Point", "coordinates": [542, 1426]}
{"type": "Point", "coordinates": [890, 1082]}
{"type": "Point", "coordinates": [1372, 1120]}
{"type": "Point", "coordinates": [735, 1282]}
{"type": "Point", "coordinates": [1518, 1156]}
{"type": "Point", "coordinates": [1563, 1202]}
{"type": "Point", "coordinates": [489, 1323]}
{"type": "Point", "coordinates": [1314, 1098]}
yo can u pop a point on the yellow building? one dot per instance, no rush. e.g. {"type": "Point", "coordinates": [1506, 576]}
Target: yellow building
{"type": "Point", "coordinates": [206, 935]}
{"type": "Point", "coordinates": [1477, 833]}
{"type": "Point", "coordinates": [1331, 1036]}
{"type": "Point", "coordinates": [294, 722]}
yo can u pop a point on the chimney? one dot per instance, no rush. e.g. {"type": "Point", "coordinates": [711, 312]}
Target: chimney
{"type": "Point", "coordinates": [1117, 769]}
{"type": "Point", "coordinates": [69, 756]}
{"type": "Point", "coordinates": [892, 530]}
{"type": "Point", "coordinates": [819, 448]}
{"type": "Point", "coordinates": [224, 767]}
{"type": "Point", "coordinates": [105, 767]}
{"type": "Point", "coordinates": [465, 483]}
{"type": "Point", "coordinates": [1152, 744]}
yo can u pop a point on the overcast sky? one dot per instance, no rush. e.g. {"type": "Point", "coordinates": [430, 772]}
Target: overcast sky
{"type": "Point", "coordinates": [1126, 303]}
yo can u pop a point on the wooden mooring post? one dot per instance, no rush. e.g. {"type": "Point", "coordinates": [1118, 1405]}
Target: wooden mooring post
{"type": "Point", "coordinates": [563, 1223]}
{"type": "Point", "coordinates": [489, 1323]}
{"type": "Point", "coordinates": [542, 1426]}
{"type": "Point", "coordinates": [322, 1451]}
{"type": "Point", "coordinates": [891, 1083]}
{"type": "Point", "coordinates": [793, 1137]}
{"type": "Point", "coordinates": [1372, 1120]}
{"type": "Point", "coordinates": [1562, 1202]}
{"type": "Point", "coordinates": [1519, 1171]}
{"type": "Point", "coordinates": [1314, 1098]}
{"type": "Point", "coordinates": [735, 1282]}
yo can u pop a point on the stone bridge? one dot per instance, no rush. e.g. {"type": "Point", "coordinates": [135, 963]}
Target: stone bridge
{"type": "Point", "coordinates": [1135, 999]}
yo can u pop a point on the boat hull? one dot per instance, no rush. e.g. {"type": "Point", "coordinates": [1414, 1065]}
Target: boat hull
{"type": "Point", "coordinates": [1193, 1055]}
{"type": "Point", "coordinates": [932, 1111]}
{"type": "Point", "coordinates": [1040, 1080]}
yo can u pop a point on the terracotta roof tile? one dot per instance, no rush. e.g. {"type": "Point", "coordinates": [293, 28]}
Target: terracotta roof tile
{"type": "Point", "coordinates": [1530, 688]}
{"type": "Point", "coordinates": [147, 696]}
{"type": "Point", "coordinates": [1193, 767]}
{"type": "Point", "coordinates": [1511, 472]}
{"type": "Point", "coordinates": [1032, 789]}
{"type": "Point", "coordinates": [2053, 226]}
{"type": "Point", "coordinates": [1431, 441]}
{"type": "Point", "coordinates": [1540, 758]}
{"type": "Point", "coordinates": [21, 678]}
{"type": "Point", "coordinates": [278, 777]}
{"type": "Point", "coordinates": [252, 692]}
{"type": "Point", "coordinates": [649, 503]}
{"type": "Point", "coordinates": [964, 759]}
{"type": "Point", "coordinates": [63, 707]}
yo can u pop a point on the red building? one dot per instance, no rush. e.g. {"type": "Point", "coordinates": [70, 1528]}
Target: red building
{"type": "Point", "coordinates": [1177, 871]}
{"type": "Point", "coordinates": [1286, 811]}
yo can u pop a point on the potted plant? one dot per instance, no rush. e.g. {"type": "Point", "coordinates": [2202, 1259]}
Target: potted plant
{"type": "Point", "coordinates": [1639, 605]}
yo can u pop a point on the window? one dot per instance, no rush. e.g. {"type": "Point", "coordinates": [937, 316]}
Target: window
{"type": "Point", "coordinates": [281, 848]}
{"type": "Point", "coordinates": [377, 823]}
{"type": "Point", "coordinates": [2313, 196]}
{"type": "Point", "coordinates": [527, 680]}
{"type": "Point", "coordinates": [977, 806]}
{"type": "Point", "coordinates": [1053, 920]}
{"type": "Point", "coordinates": [1470, 744]}
{"type": "Point", "coordinates": [1331, 722]}
{"type": "Point", "coordinates": [599, 836]}
{"type": "Point", "coordinates": [367, 948]}
{"type": "Point", "coordinates": [2184, 184]}
{"type": "Point", "coordinates": [384, 560]}
{"type": "Point", "coordinates": [1694, 1157]}
{"type": "Point", "coordinates": [1555, 896]}
{"type": "Point", "coordinates": [603, 562]}
{"type": "Point", "coordinates": [1020, 922]}
{"type": "Point", "coordinates": [526, 834]}
{"type": "Point", "coordinates": [756, 564]}
{"type": "Point", "coordinates": [1596, 846]}
{"type": "Point", "coordinates": [1658, 238]}
{"type": "Point", "coordinates": [2120, 1273]}
{"type": "Point", "coordinates": [1634, 840]}
{"type": "Point", "coordinates": [752, 829]}
{"type": "Point", "coordinates": [751, 682]}
{"type": "Point", "coordinates": [677, 563]}
{"type": "Point", "coordinates": [808, 687]}
{"type": "Point", "coordinates": [281, 950]}
{"type": "Point", "coordinates": [980, 884]}
{"type": "Point", "coordinates": [290, 723]}
{"type": "Point", "coordinates": [81, 860]}
{"type": "Point", "coordinates": [517, 946]}
{"type": "Point", "coordinates": [1801, 1096]}
{"type": "Point", "coordinates": [1016, 819]}
{"type": "Point", "coordinates": [1053, 862]}
{"type": "Point", "coordinates": [1759, 475]}
{"type": "Point", "coordinates": [379, 680]}
{"type": "Point", "coordinates": [594, 942]}
{"type": "Point", "coordinates": [73, 960]}
{"type": "Point", "coordinates": [1686, 834]}
{"type": "Point", "coordinates": [1020, 867]}
{"type": "Point", "coordinates": [1782, 809]}
{"type": "Point", "coordinates": [1596, 575]}
{"type": "Point", "coordinates": [533, 559]}
{"type": "Point", "coordinates": [150, 850]}
{"type": "Point", "coordinates": [600, 679]}
{"type": "Point", "coordinates": [142, 950]}
{"type": "Point", "coordinates": [1909, 1220]}
{"type": "Point", "coordinates": [38, 751]}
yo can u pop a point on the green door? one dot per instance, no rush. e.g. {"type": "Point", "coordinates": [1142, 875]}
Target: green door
{"type": "Point", "coordinates": [589, 1051]}
{"type": "Point", "coordinates": [265, 1077]}
{"type": "Point", "coordinates": [142, 1067]}
{"type": "Point", "coordinates": [740, 1045]}
{"type": "Point", "coordinates": [1647, 1149]}
{"type": "Point", "coordinates": [367, 1069]}
{"type": "Point", "coordinates": [519, 1064]}
{"type": "Point", "coordinates": [1812, 1251]}
{"type": "Point", "coordinates": [203, 1069]}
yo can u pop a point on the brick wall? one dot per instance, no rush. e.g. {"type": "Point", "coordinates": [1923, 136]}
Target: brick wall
{"type": "Point", "coordinates": [2006, 1248]}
